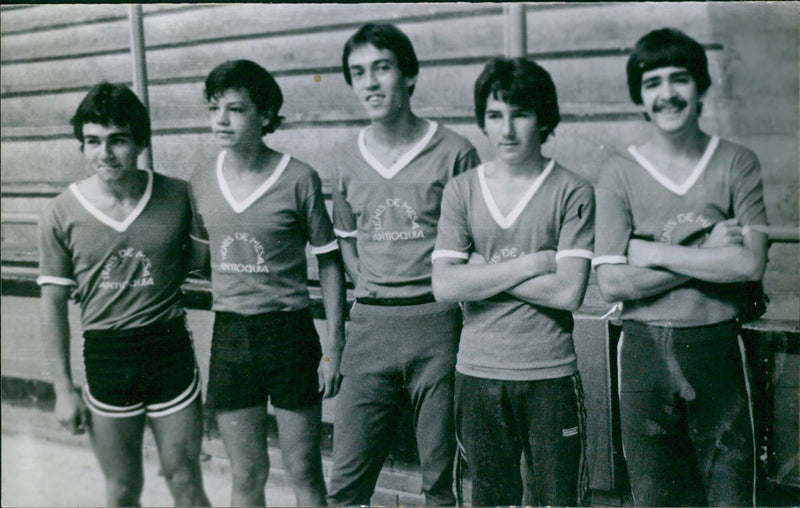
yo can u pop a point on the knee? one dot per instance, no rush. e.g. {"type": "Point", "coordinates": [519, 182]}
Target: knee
{"type": "Point", "coordinates": [250, 477]}
{"type": "Point", "coordinates": [305, 469]}
{"type": "Point", "coordinates": [181, 475]}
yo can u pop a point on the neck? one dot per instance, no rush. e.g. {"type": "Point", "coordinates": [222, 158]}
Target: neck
{"type": "Point", "coordinates": [691, 140]}
{"type": "Point", "coordinates": [246, 158]}
{"type": "Point", "coordinates": [530, 168]}
{"type": "Point", "coordinates": [130, 187]}
{"type": "Point", "coordinates": [397, 131]}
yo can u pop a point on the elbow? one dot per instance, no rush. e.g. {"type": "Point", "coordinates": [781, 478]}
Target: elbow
{"type": "Point", "coordinates": [442, 292]}
{"type": "Point", "coordinates": [573, 299]}
{"type": "Point", "coordinates": [612, 289]}
{"type": "Point", "coordinates": [754, 269]}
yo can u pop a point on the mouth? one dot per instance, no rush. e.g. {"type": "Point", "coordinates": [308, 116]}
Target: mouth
{"type": "Point", "coordinates": [670, 108]}
{"type": "Point", "coordinates": [223, 133]}
{"type": "Point", "coordinates": [374, 99]}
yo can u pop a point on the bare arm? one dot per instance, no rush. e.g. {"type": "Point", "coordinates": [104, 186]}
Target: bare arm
{"type": "Point", "coordinates": [69, 410]}
{"type": "Point", "coordinates": [456, 281]}
{"type": "Point", "coordinates": [737, 262]}
{"type": "Point", "coordinates": [349, 251]}
{"type": "Point", "coordinates": [331, 278]}
{"type": "Point", "coordinates": [563, 289]}
{"type": "Point", "coordinates": [625, 282]}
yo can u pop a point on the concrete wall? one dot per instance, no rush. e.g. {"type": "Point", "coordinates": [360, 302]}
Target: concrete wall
{"type": "Point", "coordinates": [51, 54]}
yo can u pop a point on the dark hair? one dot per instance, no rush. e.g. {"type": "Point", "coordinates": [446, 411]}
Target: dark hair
{"type": "Point", "coordinates": [113, 103]}
{"type": "Point", "coordinates": [383, 36]}
{"type": "Point", "coordinates": [666, 47]}
{"type": "Point", "coordinates": [523, 83]}
{"type": "Point", "coordinates": [256, 80]}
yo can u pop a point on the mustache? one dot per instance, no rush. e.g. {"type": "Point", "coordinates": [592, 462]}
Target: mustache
{"type": "Point", "coordinates": [675, 102]}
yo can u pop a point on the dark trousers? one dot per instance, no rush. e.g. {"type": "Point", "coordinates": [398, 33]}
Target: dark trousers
{"type": "Point", "coordinates": [499, 421]}
{"type": "Point", "coordinates": [394, 355]}
{"type": "Point", "coordinates": [685, 413]}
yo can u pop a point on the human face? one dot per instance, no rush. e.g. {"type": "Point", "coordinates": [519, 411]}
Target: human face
{"type": "Point", "coordinates": [513, 132]}
{"type": "Point", "coordinates": [110, 151]}
{"type": "Point", "coordinates": [235, 120]}
{"type": "Point", "coordinates": [669, 97]}
{"type": "Point", "coordinates": [377, 81]}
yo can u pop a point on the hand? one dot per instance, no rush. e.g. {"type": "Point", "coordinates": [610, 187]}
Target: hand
{"type": "Point", "coordinates": [540, 262]}
{"type": "Point", "coordinates": [71, 412]}
{"type": "Point", "coordinates": [727, 232]}
{"type": "Point", "coordinates": [328, 375]}
{"type": "Point", "coordinates": [639, 253]}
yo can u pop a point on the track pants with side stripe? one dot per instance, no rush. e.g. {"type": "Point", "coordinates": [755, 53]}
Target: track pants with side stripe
{"type": "Point", "coordinates": [686, 417]}
{"type": "Point", "coordinates": [500, 421]}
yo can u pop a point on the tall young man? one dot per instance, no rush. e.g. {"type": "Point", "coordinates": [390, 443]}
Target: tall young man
{"type": "Point", "coordinates": [401, 343]}
{"type": "Point", "coordinates": [118, 241]}
{"type": "Point", "coordinates": [674, 230]}
{"type": "Point", "coordinates": [515, 243]}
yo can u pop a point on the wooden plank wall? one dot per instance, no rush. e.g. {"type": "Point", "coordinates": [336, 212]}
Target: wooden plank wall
{"type": "Point", "coordinates": [51, 54]}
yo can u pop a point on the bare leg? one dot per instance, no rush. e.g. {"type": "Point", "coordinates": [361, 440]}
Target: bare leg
{"type": "Point", "coordinates": [299, 434]}
{"type": "Point", "coordinates": [117, 444]}
{"type": "Point", "coordinates": [244, 434]}
{"type": "Point", "coordinates": [179, 437]}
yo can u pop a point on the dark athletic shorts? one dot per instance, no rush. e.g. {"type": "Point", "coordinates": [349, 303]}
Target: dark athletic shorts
{"type": "Point", "coordinates": [272, 356]}
{"type": "Point", "coordinates": [149, 370]}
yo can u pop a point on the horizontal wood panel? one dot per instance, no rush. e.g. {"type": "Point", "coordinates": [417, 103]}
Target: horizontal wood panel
{"type": "Point", "coordinates": [206, 26]}
{"type": "Point", "coordinates": [36, 18]}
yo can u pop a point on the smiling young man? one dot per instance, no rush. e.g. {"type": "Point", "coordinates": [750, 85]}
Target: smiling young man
{"type": "Point", "coordinates": [515, 242]}
{"type": "Point", "coordinates": [674, 235]}
{"type": "Point", "coordinates": [401, 343]}
{"type": "Point", "coordinates": [117, 242]}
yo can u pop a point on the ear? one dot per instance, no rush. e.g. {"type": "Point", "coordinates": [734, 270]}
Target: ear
{"type": "Point", "coordinates": [411, 82]}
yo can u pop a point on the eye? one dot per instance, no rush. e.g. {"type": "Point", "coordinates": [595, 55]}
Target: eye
{"type": "Point", "coordinates": [91, 141]}
{"type": "Point", "coordinates": [356, 72]}
{"type": "Point", "coordinates": [384, 67]}
{"type": "Point", "coordinates": [650, 84]}
{"type": "Point", "coordinates": [493, 115]}
{"type": "Point", "coordinates": [237, 109]}
{"type": "Point", "coordinates": [213, 107]}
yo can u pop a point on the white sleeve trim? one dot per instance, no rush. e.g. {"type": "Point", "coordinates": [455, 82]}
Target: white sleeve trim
{"type": "Point", "coordinates": [574, 253]}
{"type": "Point", "coordinates": [345, 234]}
{"type": "Point", "coordinates": [609, 260]}
{"type": "Point", "coordinates": [324, 249]}
{"type": "Point", "coordinates": [58, 281]}
{"type": "Point", "coordinates": [437, 254]}
{"type": "Point", "coordinates": [200, 240]}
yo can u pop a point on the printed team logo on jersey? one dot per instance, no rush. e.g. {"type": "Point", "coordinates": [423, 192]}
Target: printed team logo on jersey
{"type": "Point", "coordinates": [242, 253]}
{"type": "Point", "coordinates": [505, 254]}
{"type": "Point", "coordinates": [126, 268]}
{"type": "Point", "coordinates": [686, 228]}
{"type": "Point", "coordinates": [399, 211]}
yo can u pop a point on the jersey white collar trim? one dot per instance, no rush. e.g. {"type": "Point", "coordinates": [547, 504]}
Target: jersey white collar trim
{"type": "Point", "coordinates": [506, 222]}
{"type": "Point", "coordinates": [241, 206]}
{"type": "Point", "coordinates": [403, 161]}
{"type": "Point", "coordinates": [679, 189]}
{"type": "Point", "coordinates": [119, 226]}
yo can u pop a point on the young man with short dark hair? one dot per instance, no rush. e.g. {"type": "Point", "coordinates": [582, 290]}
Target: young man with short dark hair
{"type": "Point", "coordinates": [515, 243]}
{"type": "Point", "coordinates": [675, 238]}
{"type": "Point", "coordinates": [118, 242]}
{"type": "Point", "coordinates": [401, 343]}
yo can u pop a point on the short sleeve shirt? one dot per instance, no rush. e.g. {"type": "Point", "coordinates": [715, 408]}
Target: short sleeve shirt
{"type": "Point", "coordinates": [258, 245]}
{"type": "Point", "coordinates": [393, 212]}
{"type": "Point", "coordinates": [635, 199]}
{"type": "Point", "coordinates": [126, 274]}
{"type": "Point", "coordinates": [504, 337]}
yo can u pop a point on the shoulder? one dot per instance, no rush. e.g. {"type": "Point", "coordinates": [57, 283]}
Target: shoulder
{"type": "Point", "coordinates": [736, 153]}
{"type": "Point", "coordinates": [452, 140]}
{"type": "Point", "coordinates": [170, 183]}
{"type": "Point", "coordinates": [569, 177]}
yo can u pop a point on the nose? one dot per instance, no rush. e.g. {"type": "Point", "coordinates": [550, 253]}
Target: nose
{"type": "Point", "coordinates": [220, 116]}
{"type": "Point", "coordinates": [370, 79]}
{"type": "Point", "coordinates": [508, 127]}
